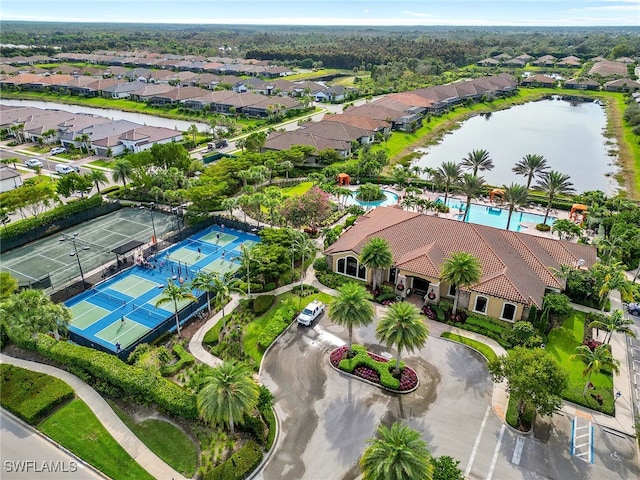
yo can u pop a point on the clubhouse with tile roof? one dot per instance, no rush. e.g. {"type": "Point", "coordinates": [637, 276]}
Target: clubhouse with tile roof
{"type": "Point", "coordinates": [517, 268]}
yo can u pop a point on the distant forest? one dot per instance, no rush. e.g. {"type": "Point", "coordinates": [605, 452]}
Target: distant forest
{"type": "Point", "coordinates": [333, 47]}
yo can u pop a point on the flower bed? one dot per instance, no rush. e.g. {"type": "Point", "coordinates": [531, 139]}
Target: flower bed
{"type": "Point", "coordinates": [374, 368]}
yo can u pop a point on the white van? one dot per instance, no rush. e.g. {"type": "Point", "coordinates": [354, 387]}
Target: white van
{"type": "Point", "coordinates": [64, 169]}
{"type": "Point", "coordinates": [310, 313]}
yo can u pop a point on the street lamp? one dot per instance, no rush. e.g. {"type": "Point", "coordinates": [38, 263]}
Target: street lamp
{"type": "Point", "coordinates": [155, 238]}
{"type": "Point", "coordinates": [618, 395]}
{"type": "Point", "coordinates": [75, 254]}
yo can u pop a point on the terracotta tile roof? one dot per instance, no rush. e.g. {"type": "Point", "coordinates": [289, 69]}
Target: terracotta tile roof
{"type": "Point", "coordinates": [515, 266]}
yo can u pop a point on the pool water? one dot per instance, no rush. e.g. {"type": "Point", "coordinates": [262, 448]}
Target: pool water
{"type": "Point", "coordinates": [390, 198]}
{"type": "Point", "coordinates": [493, 216]}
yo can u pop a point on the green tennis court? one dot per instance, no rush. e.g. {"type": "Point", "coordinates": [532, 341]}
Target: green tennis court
{"type": "Point", "coordinates": [246, 243]}
{"type": "Point", "coordinates": [221, 266]}
{"type": "Point", "coordinates": [168, 307]}
{"type": "Point", "coordinates": [123, 333]}
{"type": "Point", "coordinates": [225, 238]}
{"type": "Point", "coordinates": [133, 286]}
{"type": "Point", "coordinates": [85, 314]}
{"type": "Point", "coordinates": [186, 256]}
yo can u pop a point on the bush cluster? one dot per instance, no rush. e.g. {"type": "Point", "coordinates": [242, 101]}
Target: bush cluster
{"type": "Point", "coordinates": [239, 466]}
{"type": "Point", "coordinates": [49, 217]}
{"type": "Point", "coordinates": [31, 395]}
{"type": "Point", "coordinates": [112, 374]}
{"type": "Point", "coordinates": [335, 280]}
{"type": "Point", "coordinates": [262, 303]}
{"type": "Point", "coordinates": [280, 320]}
{"type": "Point", "coordinates": [363, 359]}
{"type": "Point", "coordinates": [304, 291]}
{"type": "Point", "coordinates": [321, 265]}
{"type": "Point", "coordinates": [184, 359]}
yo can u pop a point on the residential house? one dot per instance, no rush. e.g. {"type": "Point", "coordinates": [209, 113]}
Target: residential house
{"type": "Point", "coordinates": [366, 123]}
{"type": "Point", "coordinates": [102, 136]}
{"type": "Point", "coordinates": [176, 96]}
{"type": "Point", "coordinates": [622, 85]}
{"type": "Point", "coordinates": [278, 141]}
{"type": "Point", "coordinates": [9, 179]}
{"type": "Point", "coordinates": [545, 61]}
{"type": "Point", "coordinates": [538, 80]}
{"type": "Point", "coordinates": [570, 62]}
{"type": "Point", "coordinates": [582, 84]}
{"type": "Point", "coordinates": [517, 268]}
{"type": "Point", "coordinates": [143, 138]}
{"type": "Point", "coordinates": [147, 91]}
{"type": "Point", "coordinates": [338, 131]}
{"type": "Point", "coordinates": [488, 62]}
{"type": "Point", "coordinates": [607, 68]}
{"type": "Point", "coordinates": [120, 90]}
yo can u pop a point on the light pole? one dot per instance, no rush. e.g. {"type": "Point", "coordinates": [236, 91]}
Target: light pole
{"type": "Point", "coordinates": [618, 395]}
{"type": "Point", "coordinates": [75, 254]}
{"type": "Point", "coordinates": [155, 238]}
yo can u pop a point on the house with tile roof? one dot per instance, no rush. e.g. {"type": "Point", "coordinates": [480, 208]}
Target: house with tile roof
{"type": "Point", "coordinates": [538, 80]}
{"type": "Point", "coordinates": [622, 85]}
{"type": "Point", "coordinates": [278, 141]}
{"type": "Point", "coordinates": [517, 268]}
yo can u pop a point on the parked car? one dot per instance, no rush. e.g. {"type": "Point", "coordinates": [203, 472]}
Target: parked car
{"type": "Point", "coordinates": [33, 163]}
{"type": "Point", "coordinates": [64, 169]}
{"type": "Point", "coordinates": [634, 308]}
{"type": "Point", "coordinates": [310, 313]}
{"type": "Point", "coordinates": [57, 150]}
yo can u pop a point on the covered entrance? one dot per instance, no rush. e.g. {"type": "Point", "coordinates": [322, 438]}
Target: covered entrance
{"type": "Point", "coordinates": [420, 286]}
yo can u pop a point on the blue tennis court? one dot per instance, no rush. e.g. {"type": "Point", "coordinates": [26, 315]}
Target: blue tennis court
{"type": "Point", "coordinates": [122, 309]}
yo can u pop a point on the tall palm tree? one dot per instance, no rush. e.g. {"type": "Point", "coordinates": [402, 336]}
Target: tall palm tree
{"type": "Point", "coordinates": [352, 308]}
{"type": "Point", "coordinates": [376, 254]}
{"type": "Point", "coordinates": [287, 166]}
{"type": "Point", "coordinates": [614, 323]}
{"type": "Point", "coordinates": [229, 204]}
{"type": "Point", "coordinates": [248, 257]}
{"type": "Point", "coordinates": [193, 131]}
{"type": "Point", "coordinates": [397, 454]}
{"type": "Point", "coordinates": [305, 248]}
{"type": "Point", "coordinates": [554, 183]}
{"type": "Point", "coordinates": [228, 396]}
{"type": "Point", "coordinates": [175, 293]}
{"type": "Point", "coordinates": [97, 177]}
{"type": "Point", "coordinates": [32, 312]}
{"type": "Point", "coordinates": [121, 171]}
{"type": "Point", "coordinates": [461, 269]}
{"type": "Point", "coordinates": [514, 196]}
{"type": "Point", "coordinates": [596, 359]}
{"type": "Point", "coordinates": [531, 166]}
{"type": "Point", "coordinates": [403, 328]}
{"type": "Point", "coordinates": [477, 160]}
{"type": "Point", "coordinates": [225, 285]}
{"type": "Point", "coordinates": [448, 174]}
{"type": "Point", "coordinates": [471, 187]}
{"type": "Point", "coordinates": [205, 282]}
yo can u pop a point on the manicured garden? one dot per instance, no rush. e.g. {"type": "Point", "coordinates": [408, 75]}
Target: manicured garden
{"type": "Point", "coordinates": [482, 348]}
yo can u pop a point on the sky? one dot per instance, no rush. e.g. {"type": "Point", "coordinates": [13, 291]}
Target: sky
{"type": "Point", "coordinates": [330, 12]}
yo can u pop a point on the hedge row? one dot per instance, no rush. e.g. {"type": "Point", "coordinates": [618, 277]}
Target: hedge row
{"type": "Point", "coordinates": [49, 217]}
{"type": "Point", "coordinates": [270, 419]}
{"type": "Point", "coordinates": [239, 466]}
{"type": "Point", "coordinates": [335, 280]}
{"type": "Point", "coordinates": [281, 319]}
{"type": "Point", "coordinates": [262, 303]}
{"type": "Point", "coordinates": [362, 359]}
{"type": "Point", "coordinates": [184, 359]}
{"type": "Point", "coordinates": [112, 373]}
{"type": "Point", "coordinates": [31, 395]}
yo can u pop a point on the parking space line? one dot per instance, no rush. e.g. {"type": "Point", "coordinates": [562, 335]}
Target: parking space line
{"type": "Point", "coordinates": [494, 459]}
{"type": "Point", "coordinates": [477, 442]}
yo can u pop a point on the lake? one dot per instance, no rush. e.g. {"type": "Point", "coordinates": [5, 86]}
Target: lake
{"type": "Point", "coordinates": [141, 118]}
{"type": "Point", "coordinates": [569, 135]}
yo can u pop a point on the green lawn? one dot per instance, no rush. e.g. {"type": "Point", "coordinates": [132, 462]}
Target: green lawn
{"type": "Point", "coordinates": [561, 344]}
{"type": "Point", "coordinates": [252, 331]}
{"type": "Point", "coordinates": [296, 190]}
{"type": "Point", "coordinates": [484, 349]}
{"type": "Point", "coordinates": [101, 163]}
{"type": "Point", "coordinates": [164, 439]}
{"type": "Point", "coordinates": [76, 428]}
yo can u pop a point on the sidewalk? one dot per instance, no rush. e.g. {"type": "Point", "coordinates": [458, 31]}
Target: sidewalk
{"type": "Point", "coordinates": [118, 430]}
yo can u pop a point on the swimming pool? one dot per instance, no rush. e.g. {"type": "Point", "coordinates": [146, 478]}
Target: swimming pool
{"type": "Point", "coordinates": [492, 216]}
{"type": "Point", "coordinates": [390, 198]}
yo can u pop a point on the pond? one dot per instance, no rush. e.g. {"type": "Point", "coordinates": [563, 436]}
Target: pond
{"type": "Point", "coordinates": [141, 118]}
{"type": "Point", "coordinates": [569, 135]}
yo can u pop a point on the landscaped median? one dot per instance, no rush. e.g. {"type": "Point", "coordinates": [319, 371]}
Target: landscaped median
{"type": "Point", "coordinates": [374, 369]}
{"type": "Point", "coordinates": [480, 347]}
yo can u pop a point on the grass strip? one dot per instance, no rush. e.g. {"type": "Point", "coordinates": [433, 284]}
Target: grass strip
{"type": "Point", "coordinates": [76, 428]}
{"type": "Point", "coordinates": [164, 439]}
{"type": "Point", "coordinates": [482, 348]}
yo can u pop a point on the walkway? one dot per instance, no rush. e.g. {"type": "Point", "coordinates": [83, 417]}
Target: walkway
{"type": "Point", "coordinates": [118, 430]}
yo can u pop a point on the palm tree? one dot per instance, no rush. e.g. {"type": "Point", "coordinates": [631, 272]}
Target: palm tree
{"type": "Point", "coordinates": [531, 166]}
{"type": "Point", "coordinates": [248, 256]}
{"type": "Point", "coordinates": [193, 131]}
{"type": "Point", "coordinates": [471, 187]}
{"type": "Point", "coordinates": [554, 183]}
{"type": "Point", "coordinates": [448, 174]}
{"type": "Point", "coordinates": [205, 282]}
{"type": "Point", "coordinates": [229, 204]}
{"type": "Point", "coordinates": [608, 277]}
{"type": "Point", "coordinates": [596, 359]}
{"type": "Point", "coordinates": [175, 293]}
{"type": "Point", "coordinates": [229, 395]}
{"type": "Point", "coordinates": [287, 166]}
{"type": "Point", "coordinates": [477, 160]}
{"type": "Point", "coordinates": [97, 177]}
{"type": "Point", "coordinates": [614, 323]}
{"type": "Point", "coordinates": [397, 454]}
{"type": "Point", "coordinates": [32, 312]}
{"type": "Point", "coordinates": [403, 328]}
{"type": "Point", "coordinates": [461, 269]}
{"type": "Point", "coordinates": [305, 247]}
{"type": "Point", "coordinates": [376, 254]}
{"type": "Point", "coordinates": [224, 285]}
{"type": "Point", "coordinates": [352, 307]}
{"type": "Point", "coordinates": [121, 171]}
{"type": "Point", "coordinates": [514, 196]}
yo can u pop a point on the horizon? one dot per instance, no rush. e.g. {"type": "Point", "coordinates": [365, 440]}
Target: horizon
{"type": "Point", "coordinates": [349, 13]}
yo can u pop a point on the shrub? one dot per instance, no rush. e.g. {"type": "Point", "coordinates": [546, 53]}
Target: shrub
{"type": "Point", "coordinates": [111, 189]}
{"type": "Point", "coordinates": [262, 303]}
{"type": "Point", "coordinates": [280, 320]}
{"type": "Point", "coordinates": [335, 280]}
{"type": "Point", "coordinates": [543, 227]}
{"type": "Point", "coordinates": [239, 466]}
{"type": "Point", "coordinates": [351, 219]}
{"type": "Point", "coordinates": [184, 359]}
{"type": "Point", "coordinates": [321, 265]}
{"type": "Point", "coordinates": [270, 419]}
{"type": "Point", "coordinates": [386, 297]}
{"type": "Point", "coordinates": [304, 291]}
{"type": "Point", "coordinates": [212, 337]}
{"type": "Point", "coordinates": [269, 287]}
{"type": "Point", "coordinates": [31, 395]}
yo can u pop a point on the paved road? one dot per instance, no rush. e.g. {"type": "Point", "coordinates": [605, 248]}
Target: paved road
{"type": "Point", "coordinates": [634, 361]}
{"type": "Point", "coordinates": [326, 417]}
{"type": "Point", "coordinates": [26, 455]}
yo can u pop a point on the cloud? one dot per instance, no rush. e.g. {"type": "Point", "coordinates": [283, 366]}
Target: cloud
{"type": "Point", "coordinates": [417, 14]}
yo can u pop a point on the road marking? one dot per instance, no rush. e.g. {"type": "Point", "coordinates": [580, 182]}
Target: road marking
{"type": "Point", "coordinates": [494, 460]}
{"type": "Point", "coordinates": [477, 443]}
{"type": "Point", "coordinates": [517, 452]}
